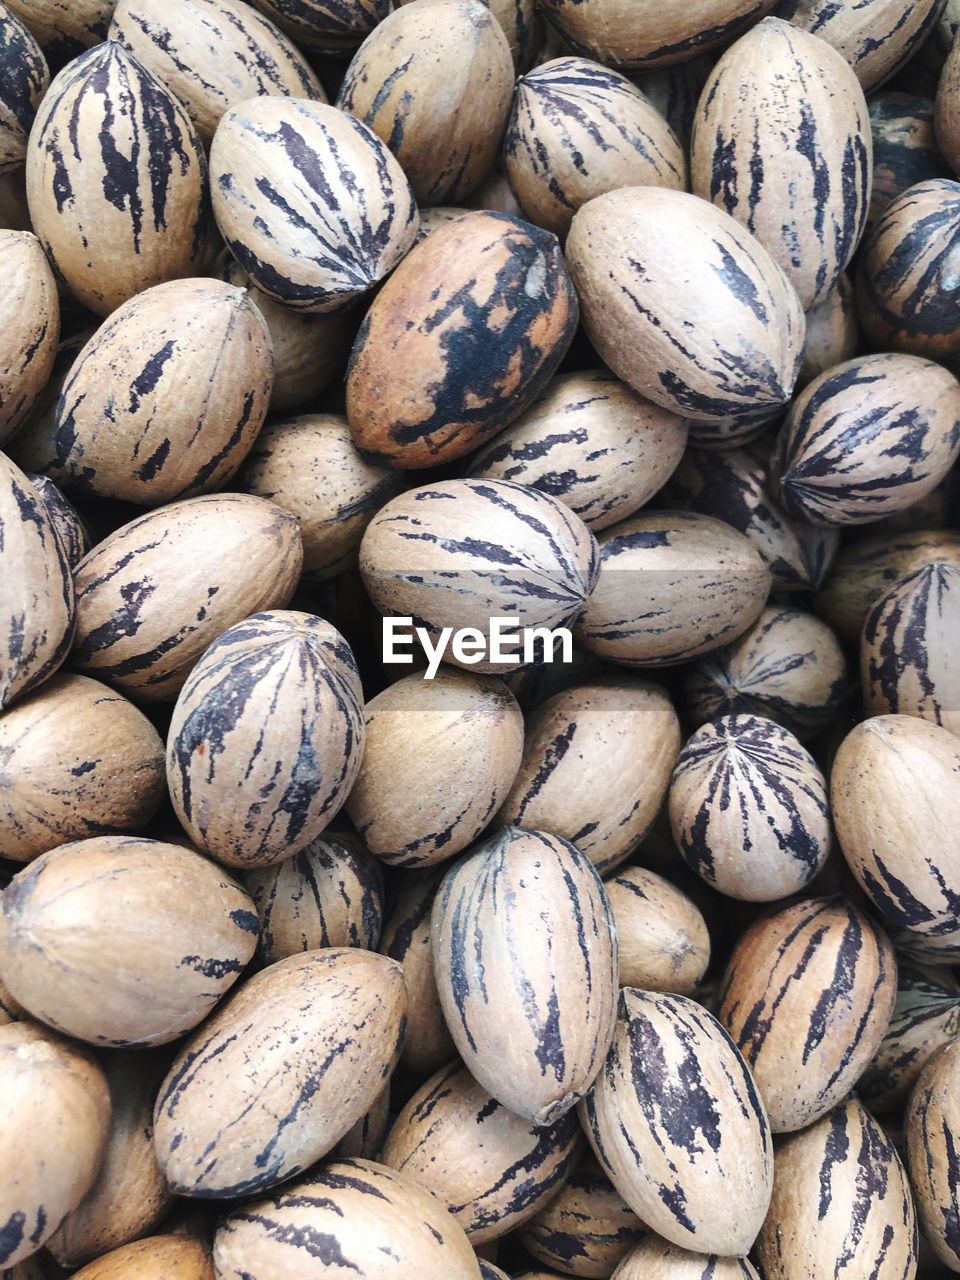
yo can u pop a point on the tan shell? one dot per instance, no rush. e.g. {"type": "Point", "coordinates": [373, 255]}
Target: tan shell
{"type": "Point", "coordinates": [932, 1125]}
{"type": "Point", "coordinates": [663, 937]}
{"type": "Point", "coordinates": [596, 767]}
{"type": "Point", "coordinates": [490, 1168]}
{"type": "Point", "coordinates": [684, 304]}
{"type": "Point", "coordinates": [156, 1258]}
{"type": "Point", "coordinates": [328, 26]}
{"type": "Point", "coordinates": [807, 996]}
{"type": "Point", "coordinates": [280, 1073]}
{"type": "Point", "coordinates": [534, 1035]}
{"type": "Point", "coordinates": [309, 465]}
{"type": "Point", "coordinates": [109, 236]}
{"type": "Point", "coordinates": [33, 448]}
{"type": "Point", "coordinates": [29, 328]}
{"type": "Point", "coordinates": [833, 333]}
{"type": "Point", "coordinates": [53, 1099]}
{"type": "Point", "coordinates": [153, 595]}
{"type": "Point", "coordinates": [10, 1009]}
{"type": "Point", "coordinates": [439, 758]}
{"type": "Point", "coordinates": [24, 80]}
{"type": "Point", "coordinates": [656, 1259]}
{"type": "Point", "coordinates": [64, 30]}
{"type": "Point", "coordinates": [365, 1138]}
{"type": "Point", "coordinates": [522, 25]}
{"type": "Point", "coordinates": [672, 585]}
{"type": "Point", "coordinates": [122, 941]}
{"type": "Point", "coordinates": [677, 1124]}
{"type": "Point", "coordinates": [72, 529]}
{"type": "Point", "coordinates": [947, 113]}
{"type": "Point", "coordinates": [591, 442]}
{"type": "Point", "coordinates": [378, 1225]}
{"type": "Point", "coordinates": [309, 201]}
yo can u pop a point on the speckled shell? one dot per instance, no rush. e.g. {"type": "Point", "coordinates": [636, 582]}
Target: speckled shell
{"type": "Point", "coordinates": [309, 201]}
{"type": "Point", "coordinates": [683, 303]}
{"type": "Point", "coordinates": [112, 225]}
{"type": "Point", "coordinates": [266, 738]}
{"type": "Point", "coordinates": [833, 334]}
{"type": "Point", "coordinates": [596, 766]}
{"type": "Point", "coordinates": [70, 526]}
{"type": "Point", "coordinates": [867, 439]}
{"type": "Point", "coordinates": [533, 1032]}
{"type": "Point", "coordinates": [280, 1072]}
{"type": "Point", "coordinates": [788, 667]}
{"type": "Point", "coordinates": [64, 30]}
{"type": "Point", "coordinates": [154, 594]}
{"type": "Point", "coordinates": [663, 938]}
{"type": "Point", "coordinates": [29, 328]}
{"type": "Point", "coordinates": [807, 996]}
{"type": "Point", "coordinates": [330, 894]}
{"type": "Point", "coordinates": [371, 1224]}
{"type": "Point", "coordinates": [173, 1257]}
{"type": "Point", "coordinates": [459, 341]}
{"type": "Point", "coordinates": [932, 1126]}
{"type": "Point", "coordinates": [905, 148]}
{"type": "Point", "coordinates": [326, 26]}
{"type": "Point", "coordinates": [37, 602]}
{"type": "Point", "coordinates": [490, 1168]}
{"type": "Point", "coordinates": [578, 129]}
{"type": "Point", "coordinates": [212, 54]}
{"type": "Point", "coordinates": [875, 36]}
{"type": "Point", "coordinates": [309, 465]}
{"type": "Point", "coordinates": [123, 941]}
{"type": "Point", "coordinates": [677, 1124]}
{"type": "Point", "coordinates": [895, 795]}
{"type": "Point", "coordinates": [364, 1139]}
{"type": "Point", "coordinates": [782, 130]}
{"type": "Point", "coordinates": [591, 442]}
{"type": "Point", "coordinates": [77, 760]}
{"type": "Point", "coordinates": [672, 585]}
{"type": "Point", "coordinates": [168, 396]}
{"type": "Point", "coordinates": [24, 79]}
{"type": "Point", "coordinates": [656, 1259]}
{"type": "Point", "coordinates": [467, 530]}
{"type": "Point", "coordinates": [439, 758]}
{"type": "Point", "coordinates": [433, 81]}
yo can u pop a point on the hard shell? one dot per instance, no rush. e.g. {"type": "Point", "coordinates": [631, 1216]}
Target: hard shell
{"type": "Point", "coordinates": [172, 1257]}
{"type": "Point", "coordinates": [663, 938]}
{"type": "Point", "coordinates": [29, 328]}
{"type": "Point", "coordinates": [905, 147]}
{"type": "Point", "coordinates": [326, 26]}
{"type": "Point", "coordinates": [932, 1124]}
{"type": "Point", "coordinates": [946, 120]}
{"type": "Point", "coordinates": [24, 79]}
{"type": "Point", "coordinates": [32, 448]}
{"type": "Point", "coordinates": [64, 30]}
{"type": "Point", "coordinates": [655, 1259]}
{"type": "Point", "coordinates": [71, 528]}
{"type": "Point", "coordinates": [833, 334]}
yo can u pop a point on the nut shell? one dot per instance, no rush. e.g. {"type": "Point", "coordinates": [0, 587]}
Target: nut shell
{"type": "Point", "coordinates": [932, 1124]}
{"type": "Point", "coordinates": [30, 328]}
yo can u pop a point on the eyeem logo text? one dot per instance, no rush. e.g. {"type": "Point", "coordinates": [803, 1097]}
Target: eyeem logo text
{"type": "Point", "coordinates": [506, 643]}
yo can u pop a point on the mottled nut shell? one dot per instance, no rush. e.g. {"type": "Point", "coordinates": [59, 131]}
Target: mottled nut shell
{"type": "Point", "coordinates": [663, 938]}
{"type": "Point", "coordinates": [32, 448]}
{"type": "Point", "coordinates": [29, 328]}
{"type": "Point", "coordinates": [326, 26]}
{"type": "Point", "coordinates": [672, 585]}
{"type": "Point", "coordinates": [591, 442]}
{"type": "Point", "coordinates": [64, 30]}
{"type": "Point", "coordinates": [111, 232]}
{"type": "Point", "coordinates": [54, 1114]}
{"type": "Point", "coordinates": [656, 1259]}
{"type": "Point", "coordinates": [677, 1124]}
{"type": "Point", "coordinates": [807, 996]}
{"type": "Point", "coordinates": [123, 941]}
{"type": "Point", "coordinates": [490, 1168]}
{"type": "Point", "coordinates": [833, 334]}
{"type": "Point", "coordinates": [525, 957]}
{"type": "Point", "coordinates": [905, 147]}
{"type": "Point", "coordinates": [280, 1073]}
{"type": "Point", "coordinates": [309, 201]}
{"type": "Point", "coordinates": [371, 1222]}
{"type": "Point", "coordinates": [24, 79]}
{"type": "Point", "coordinates": [596, 767]}
{"type": "Point", "coordinates": [433, 80]}
{"type": "Point", "coordinates": [153, 595]}
{"type": "Point", "coordinates": [932, 1126]}
{"type": "Point", "coordinates": [72, 529]}
{"type": "Point", "coordinates": [867, 439]}
{"type": "Point", "coordinates": [459, 341]}
{"type": "Point", "coordinates": [946, 122]}
{"type": "Point", "coordinates": [173, 1257]}
{"type": "Point", "coordinates": [684, 304]}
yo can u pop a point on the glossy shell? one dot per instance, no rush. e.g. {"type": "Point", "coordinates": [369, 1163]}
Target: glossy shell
{"type": "Point", "coordinates": [932, 1126]}
{"type": "Point", "coordinates": [29, 328]}
{"type": "Point", "coordinates": [24, 79]}
{"type": "Point", "coordinates": [721, 336]}
{"type": "Point", "coordinates": [173, 1257]}
{"type": "Point", "coordinates": [663, 938]}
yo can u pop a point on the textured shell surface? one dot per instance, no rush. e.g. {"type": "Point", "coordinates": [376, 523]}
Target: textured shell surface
{"type": "Point", "coordinates": [807, 996]}
{"type": "Point", "coordinates": [523, 26]}
{"type": "Point", "coordinates": [905, 147]}
{"type": "Point", "coordinates": [841, 1203]}
{"type": "Point", "coordinates": [439, 758]}
{"type": "Point", "coordinates": [32, 448]}
{"type": "Point", "coordinates": [663, 938]}
{"type": "Point", "coordinates": [591, 442]}
{"type": "Point", "coordinates": [677, 1123]}
{"type": "Point", "coordinates": [656, 1259]}
{"type": "Point", "coordinates": [736, 429]}
{"type": "Point", "coordinates": [53, 1096]}
{"type": "Point", "coordinates": [491, 1169]}
{"type": "Point", "coordinates": [487, 549]}
{"type": "Point", "coordinates": [212, 54]}
{"type": "Point", "coordinates": [37, 602]}
{"type": "Point", "coordinates": [266, 738]}
{"type": "Point", "coordinates": [153, 595]}
{"type": "Point", "coordinates": [782, 129]}
{"type": "Point", "coordinates": [326, 26]}
{"type": "Point", "coordinates": [24, 79]}
{"type": "Point", "coordinates": [867, 438]}
{"type": "Point", "coordinates": [684, 304]}
{"type": "Point", "coordinates": [121, 940]}
{"type": "Point", "coordinates": [364, 1139]}
{"type": "Point", "coordinates": [64, 30]}
{"type": "Point", "coordinates": [748, 809]}
{"type": "Point", "coordinates": [460, 341]}
{"type": "Point", "coordinates": [116, 180]}
{"type": "Point", "coordinates": [833, 334]}
{"type": "Point", "coordinates": [672, 585]}
{"type": "Point", "coordinates": [578, 129]}
{"type": "Point", "coordinates": [278, 1075]}
{"type": "Point", "coordinates": [944, 145]}
{"type": "Point", "coordinates": [433, 81]}
{"type": "Point", "coordinates": [932, 1125]}
{"type": "Point", "coordinates": [348, 1219]}
{"type": "Point", "coordinates": [29, 328]}
{"type": "Point", "coordinates": [168, 396]}
{"type": "Point", "coordinates": [173, 1257]}
{"type": "Point", "coordinates": [596, 765]}
{"type": "Point", "coordinates": [309, 201]}
{"type": "Point", "coordinates": [525, 958]}
{"type": "Point", "coordinates": [72, 529]}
